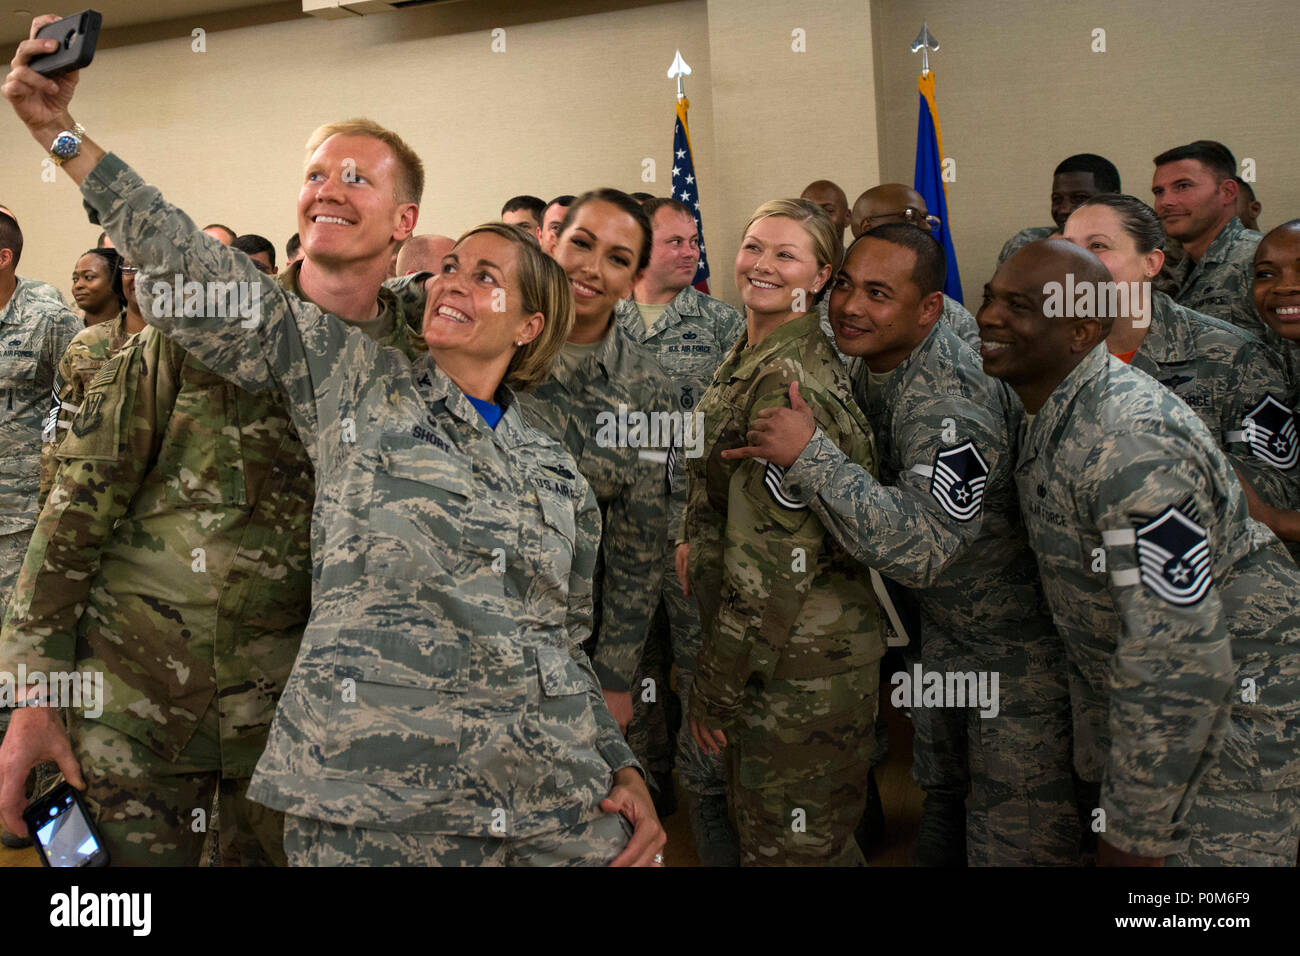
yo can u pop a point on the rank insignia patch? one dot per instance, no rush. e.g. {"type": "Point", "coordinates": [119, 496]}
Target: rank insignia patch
{"type": "Point", "coordinates": [958, 480]}
{"type": "Point", "coordinates": [772, 479]}
{"type": "Point", "coordinates": [1174, 557]}
{"type": "Point", "coordinates": [1269, 429]}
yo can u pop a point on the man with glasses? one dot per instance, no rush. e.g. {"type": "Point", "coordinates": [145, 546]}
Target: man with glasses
{"type": "Point", "coordinates": [894, 202]}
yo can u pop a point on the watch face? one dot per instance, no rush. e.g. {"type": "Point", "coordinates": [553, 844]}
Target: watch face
{"type": "Point", "coordinates": [65, 145]}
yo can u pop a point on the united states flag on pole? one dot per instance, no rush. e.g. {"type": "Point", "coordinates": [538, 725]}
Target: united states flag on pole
{"type": "Point", "coordinates": [686, 188]}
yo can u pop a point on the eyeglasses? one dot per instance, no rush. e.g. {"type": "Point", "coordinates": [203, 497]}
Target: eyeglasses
{"type": "Point", "coordinates": [910, 215]}
{"type": "Point", "coordinates": [127, 270]}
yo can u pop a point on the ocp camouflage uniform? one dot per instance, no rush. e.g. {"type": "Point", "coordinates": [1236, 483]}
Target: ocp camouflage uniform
{"type": "Point", "coordinates": [1219, 284]}
{"type": "Point", "coordinates": [440, 688]}
{"type": "Point", "coordinates": [89, 350]}
{"type": "Point", "coordinates": [1231, 380]}
{"type": "Point", "coordinates": [954, 314]}
{"type": "Point", "coordinates": [630, 484]}
{"type": "Point", "coordinates": [689, 339]}
{"type": "Point", "coordinates": [1023, 238]}
{"type": "Point", "coordinates": [1179, 616]}
{"type": "Point", "coordinates": [789, 666]}
{"type": "Point", "coordinates": [944, 519]}
{"type": "Point", "coordinates": [179, 520]}
{"type": "Point", "coordinates": [34, 333]}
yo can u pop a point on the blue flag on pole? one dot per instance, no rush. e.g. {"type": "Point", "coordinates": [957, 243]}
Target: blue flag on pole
{"type": "Point", "coordinates": [928, 177]}
{"type": "Point", "coordinates": [686, 189]}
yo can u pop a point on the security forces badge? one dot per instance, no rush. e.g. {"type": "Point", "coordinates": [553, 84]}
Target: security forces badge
{"type": "Point", "coordinates": [1270, 430]}
{"type": "Point", "coordinates": [1173, 554]}
{"type": "Point", "coordinates": [957, 480]}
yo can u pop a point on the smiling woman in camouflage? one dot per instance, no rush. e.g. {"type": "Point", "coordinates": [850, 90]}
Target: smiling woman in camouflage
{"type": "Point", "coordinates": [789, 667]}
{"type": "Point", "coordinates": [441, 710]}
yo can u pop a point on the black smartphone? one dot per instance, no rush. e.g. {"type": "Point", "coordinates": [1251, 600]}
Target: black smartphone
{"type": "Point", "coordinates": [62, 830]}
{"type": "Point", "coordinates": [77, 36]}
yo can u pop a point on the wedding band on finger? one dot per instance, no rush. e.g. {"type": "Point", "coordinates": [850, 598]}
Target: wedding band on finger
{"type": "Point", "coordinates": [659, 859]}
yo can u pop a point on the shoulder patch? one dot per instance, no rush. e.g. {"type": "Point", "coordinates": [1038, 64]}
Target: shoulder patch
{"type": "Point", "coordinates": [1174, 557]}
{"type": "Point", "coordinates": [107, 372]}
{"type": "Point", "coordinates": [90, 416]}
{"type": "Point", "coordinates": [1269, 429]}
{"type": "Point", "coordinates": [958, 480]}
{"type": "Point", "coordinates": [772, 477]}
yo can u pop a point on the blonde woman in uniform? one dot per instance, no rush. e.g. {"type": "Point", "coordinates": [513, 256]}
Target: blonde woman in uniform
{"type": "Point", "coordinates": [789, 668]}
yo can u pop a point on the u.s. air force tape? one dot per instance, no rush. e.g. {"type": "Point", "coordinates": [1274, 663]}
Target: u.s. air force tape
{"type": "Point", "coordinates": [1173, 554]}
{"type": "Point", "coordinates": [772, 477]}
{"type": "Point", "coordinates": [957, 480]}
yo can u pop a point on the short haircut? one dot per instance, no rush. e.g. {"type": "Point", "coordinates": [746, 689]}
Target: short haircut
{"type": "Point", "coordinates": [292, 246]}
{"type": "Point", "coordinates": [930, 268]}
{"type": "Point", "coordinates": [530, 204]}
{"type": "Point", "coordinates": [1245, 187]}
{"type": "Point", "coordinates": [114, 260]}
{"type": "Point", "coordinates": [1137, 219]}
{"type": "Point", "coordinates": [1213, 156]}
{"type": "Point", "coordinates": [251, 244]}
{"type": "Point", "coordinates": [409, 184]}
{"type": "Point", "coordinates": [827, 244]}
{"type": "Point", "coordinates": [1104, 173]}
{"type": "Point", "coordinates": [652, 206]}
{"type": "Point", "coordinates": [616, 197]}
{"type": "Point", "coordinates": [544, 288]}
{"type": "Point", "coordinates": [641, 197]}
{"type": "Point", "coordinates": [565, 201]}
{"type": "Point", "coordinates": [11, 237]}
{"type": "Point", "coordinates": [217, 225]}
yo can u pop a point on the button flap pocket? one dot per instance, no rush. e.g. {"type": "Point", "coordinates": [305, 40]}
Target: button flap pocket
{"type": "Point", "coordinates": [560, 673]}
{"type": "Point", "coordinates": [385, 657]}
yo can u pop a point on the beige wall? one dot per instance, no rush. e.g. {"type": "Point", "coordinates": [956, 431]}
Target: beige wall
{"type": "Point", "coordinates": [580, 98]}
{"type": "Point", "coordinates": [1019, 90]}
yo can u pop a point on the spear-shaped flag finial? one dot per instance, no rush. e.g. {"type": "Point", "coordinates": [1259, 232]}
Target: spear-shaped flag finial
{"type": "Point", "coordinates": [677, 71]}
{"type": "Point", "coordinates": [925, 43]}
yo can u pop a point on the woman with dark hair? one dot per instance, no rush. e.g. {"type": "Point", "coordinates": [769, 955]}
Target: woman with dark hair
{"type": "Point", "coordinates": [1222, 372]}
{"type": "Point", "coordinates": [602, 377]}
{"type": "Point", "coordinates": [85, 355]}
{"type": "Point", "coordinates": [97, 285]}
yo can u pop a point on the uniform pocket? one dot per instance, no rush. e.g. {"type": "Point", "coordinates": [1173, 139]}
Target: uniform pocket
{"type": "Point", "coordinates": [566, 706]}
{"type": "Point", "coordinates": [398, 718]}
{"type": "Point", "coordinates": [417, 510]}
{"type": "Point", "coordinates": [202, 455]}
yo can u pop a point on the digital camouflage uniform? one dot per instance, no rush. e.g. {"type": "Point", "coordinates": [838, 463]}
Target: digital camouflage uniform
{"type": "Point", "coordinates": [1023, 238]}
{"type": "Point", "coordinates": [440, 688]}
{"type": "Point", "coordinates": [1288, 355]}
{"type": "Point", "coordinates": [90, 348]}
{"type": "Point", "coordinates": [630, 484]}
{"type": "Point", "coordinates": [1220, 283]}
{"type": "Point", "coordinates": [689, 339]}
{"type": "Point", "coordinates": [179, 519]}
{"type": "Point", "coordinates": [35, 329]}
{"type": "Point", "coordinates": [1179, 616]}
{"type": "Point", "coordinates": [944, 520]}
{"type": "Point", "coordinates": [1232, 381]}
{"type": "Point", "coordinates": [34, 333]}
{"type": "Point", "coordinates": [789, 667]}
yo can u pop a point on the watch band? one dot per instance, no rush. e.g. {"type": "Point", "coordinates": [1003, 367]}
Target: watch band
{"type": "Point", "coordinates": [75, 135]}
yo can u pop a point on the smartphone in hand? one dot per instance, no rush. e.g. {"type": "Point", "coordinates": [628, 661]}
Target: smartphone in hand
{"type": "Point", "coordinates": [77, 36]}
{"type": "Point", "coordinates": [62, 830]}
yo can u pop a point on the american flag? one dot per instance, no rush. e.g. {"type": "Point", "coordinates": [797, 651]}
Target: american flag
{"type": "Point", "coordinates": [686, 189]}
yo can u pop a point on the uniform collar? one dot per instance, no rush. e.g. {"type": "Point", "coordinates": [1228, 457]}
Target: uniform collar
{"type": "Point", "coordinates": [438, 391]}
{"type": "Point", "coordinates": [685, 304]}
{"type": "Point", "coordinates": [1052, 417]}
{"type": "Point", "coordinates": [1171, 337]}
{"type": "Point", "coordinates": [398, 334]}
{"type": "Point", "coordinates": [1221, 247]}
{"type": "Point", "coordinates": [603, 362]}
{"type": "Point", "coordinates": [751, 359]}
